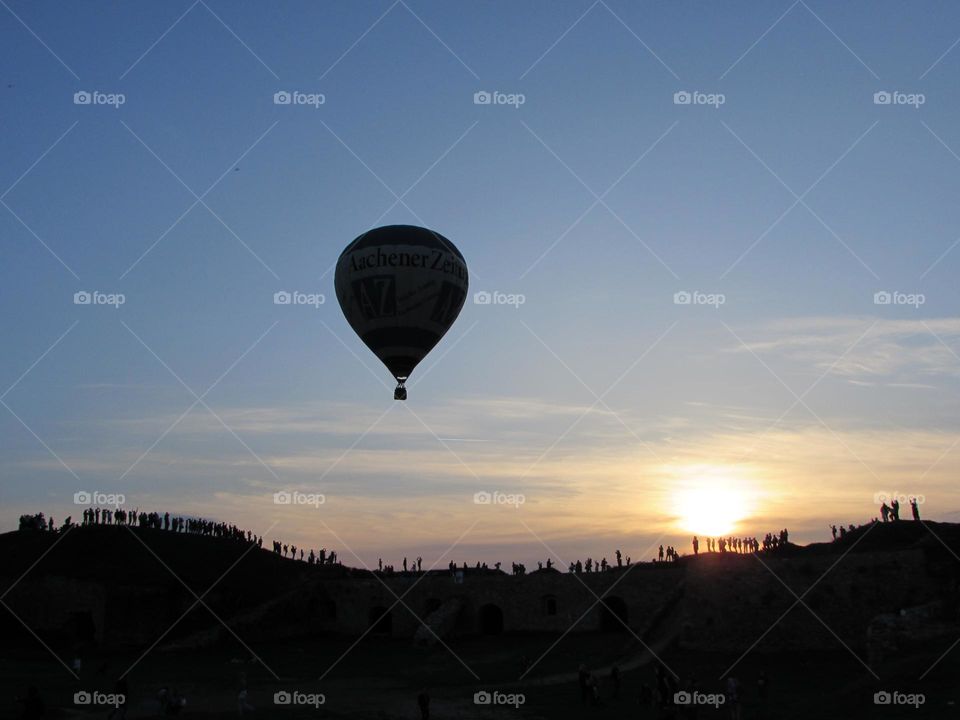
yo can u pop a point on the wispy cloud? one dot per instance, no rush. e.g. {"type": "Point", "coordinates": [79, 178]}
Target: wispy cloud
{"type": "Point", "coordinates": [900, 350]}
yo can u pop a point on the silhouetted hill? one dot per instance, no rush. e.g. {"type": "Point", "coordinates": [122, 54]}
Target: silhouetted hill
{"type": "Point", "coordinates": [116, 584]}
{"type": "Point", "coordinates": [147, 557]}
{"type": "Point", "coordinates": [934, 537]}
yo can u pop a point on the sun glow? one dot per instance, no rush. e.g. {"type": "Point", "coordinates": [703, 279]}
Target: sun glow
{"type": "Point", "coordinates": [711, 504]}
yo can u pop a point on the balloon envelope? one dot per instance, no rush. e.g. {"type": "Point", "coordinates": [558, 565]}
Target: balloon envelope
{"type": "Point", "coordinates": [400, 288]}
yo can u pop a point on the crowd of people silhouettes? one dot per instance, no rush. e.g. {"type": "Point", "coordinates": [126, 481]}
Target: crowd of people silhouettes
{"type": "Point", "coordinates": [97, 516]}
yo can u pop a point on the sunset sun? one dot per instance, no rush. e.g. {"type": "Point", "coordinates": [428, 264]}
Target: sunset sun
{"type": "Point", "coordinates": [711, 505]}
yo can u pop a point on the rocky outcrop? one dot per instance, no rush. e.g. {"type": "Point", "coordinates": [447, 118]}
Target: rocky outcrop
{"type": "Point", "coordinates": [890, 634]}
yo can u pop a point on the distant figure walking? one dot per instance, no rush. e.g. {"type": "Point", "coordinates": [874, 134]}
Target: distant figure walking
{"type": "Point", "coordinates": [33, 707]}
{"type": "Point", "coordinates": [733, 698]}
{"type": "Point", "coordinates": [122, 690]}
{"type": "Point", "coordinates": [423, 702]}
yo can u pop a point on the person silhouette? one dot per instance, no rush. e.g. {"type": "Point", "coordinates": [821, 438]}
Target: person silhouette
{"type": "Point", "coordinates": [733, 698]}
{"type": "Point", "coordinates": [33, 708]}
{"type": "Point", "coordinates": [895, 509]}
{"type": "Point", "coordinates": [582, 680]}
{"type": "Point", "coordinates": [423, 702]}
{"type": "Point", "coordinates": [122, 691]}
{"type": "Point", "coordinates": [696, 545]}
{"type": "Point", "coordinates": [914, 508]}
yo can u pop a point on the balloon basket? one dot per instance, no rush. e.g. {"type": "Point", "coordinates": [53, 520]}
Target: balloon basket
{"type": "Point", "coordinates": [400, 393]}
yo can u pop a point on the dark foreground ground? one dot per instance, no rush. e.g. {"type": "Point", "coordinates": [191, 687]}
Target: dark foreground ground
{"type": "Point", "coordinates": [376, 677]}
{"type": "Point", "coordinates": [380, 678]}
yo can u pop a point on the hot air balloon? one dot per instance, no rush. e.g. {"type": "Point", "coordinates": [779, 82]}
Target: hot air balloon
{"type": "Point", "coordinates": [401, 287]}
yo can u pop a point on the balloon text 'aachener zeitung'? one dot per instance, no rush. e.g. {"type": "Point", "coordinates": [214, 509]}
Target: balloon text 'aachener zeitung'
{"type": "Point", "coordinates": [433, 260]}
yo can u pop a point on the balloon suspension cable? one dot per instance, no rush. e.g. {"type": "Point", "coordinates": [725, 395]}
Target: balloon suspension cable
{"type": "Point", "coordinates": [401, 391]}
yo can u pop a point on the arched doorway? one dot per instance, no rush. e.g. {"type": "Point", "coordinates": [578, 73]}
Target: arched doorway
{"type": "Point", "coordinates": [613, 615]}
{"type": "Point", "coordinates": [381, 620]}
{"type": "Point", "coordinates": [322, 608]}
{"type": "Point", "coordinates": [82, 628]}
{"type": "Point", "coordinates": [431, 606]}
{"type": "Point", "coordinates": [491, 620]}
{"type": "Point", "coordinates": [548, 604]}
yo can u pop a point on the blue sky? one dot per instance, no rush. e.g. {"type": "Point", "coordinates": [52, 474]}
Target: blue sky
{"type": "Point", "coordinates": [796, 200]}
